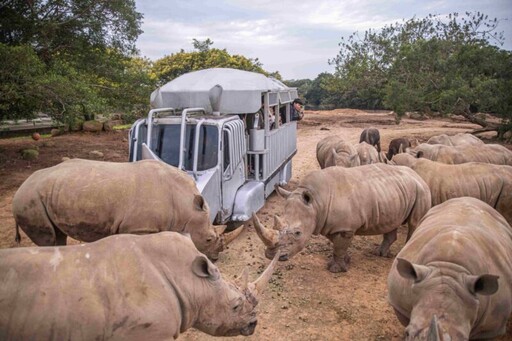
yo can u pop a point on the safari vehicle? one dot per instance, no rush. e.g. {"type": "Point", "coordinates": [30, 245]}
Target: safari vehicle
{"type": "Point", "coordinates": [215, 124]}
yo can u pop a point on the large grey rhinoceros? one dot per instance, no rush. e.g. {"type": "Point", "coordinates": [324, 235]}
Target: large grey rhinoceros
{"type": "Point", "coordinates": [453, 279]}
{"type": "Point", "coordinates": [455, 140]}
{"type": "Point", "coordinates": [488, 153]}
{"type": "Point", "coordinates": [88, 200]}
{"type": "Point", "coordinates": [490, 183]}
{"type": "Point", "coordinates": [334, 151]}
{"type": "Point", "coordinates": [123, 287]}
{"type": "Point", "coordinates": [340, 202]}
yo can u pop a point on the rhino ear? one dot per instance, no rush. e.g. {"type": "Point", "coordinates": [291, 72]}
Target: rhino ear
{"type": "Point", "coordinates": [482, 285]}
{"type": "Point", "coordinates": [419, 154]}
{"type": "Point", "coordinates": [202, 267]}
{"type": "Point", "coordinates": [412, 271]}
{"type": "Point", "coordinates": [199, 203]}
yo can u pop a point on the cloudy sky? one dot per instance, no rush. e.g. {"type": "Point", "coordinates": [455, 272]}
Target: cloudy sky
{"type": "Point", "coordinates": [294, 37]}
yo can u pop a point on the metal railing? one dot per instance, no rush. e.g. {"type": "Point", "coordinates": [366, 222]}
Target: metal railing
{"type": "Point", "coordinates": [280, 145]}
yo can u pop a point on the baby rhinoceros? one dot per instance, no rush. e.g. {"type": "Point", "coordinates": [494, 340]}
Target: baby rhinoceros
{"type": "Point", "coordinates": [453, 279]}
{"type": "Point", "coordinates": [123, 287]}
{"type": "Point", "coordinates": [339, 203]}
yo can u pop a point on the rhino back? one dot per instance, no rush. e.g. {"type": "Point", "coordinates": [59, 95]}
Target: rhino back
{"type": "Point", "coordinates": [371, 199]}
{"type": "Point", "coordinates": [478, 180]}
{"type": "Point", "coordinates": [119, 287]}
{"type": "Point", "coordinates": [91, 199]}
{"type": "Point", "coordinates": [326, 145]}
{"type": "Point", "coordinates": [468, 233]}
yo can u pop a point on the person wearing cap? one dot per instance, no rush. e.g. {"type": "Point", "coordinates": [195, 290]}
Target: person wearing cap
{"type": "Point", "coordinates": [296, 111]}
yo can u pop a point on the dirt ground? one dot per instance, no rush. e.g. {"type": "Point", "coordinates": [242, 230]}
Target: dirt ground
{"type": "Point", "coordinates": [304, 301]}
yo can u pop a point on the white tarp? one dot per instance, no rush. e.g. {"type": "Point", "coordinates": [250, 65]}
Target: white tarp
{"type": "Point", "coordinates": [241, 91]}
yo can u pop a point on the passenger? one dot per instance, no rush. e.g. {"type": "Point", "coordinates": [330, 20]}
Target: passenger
{"type": "Point", "coordinates": [296, 111]}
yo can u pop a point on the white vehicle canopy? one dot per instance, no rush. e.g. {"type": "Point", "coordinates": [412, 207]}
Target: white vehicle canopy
{"type": "Point", "coordinates": [241, 91]}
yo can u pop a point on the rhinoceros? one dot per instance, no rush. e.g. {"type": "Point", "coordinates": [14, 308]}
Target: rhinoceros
{"type": "Point", "coordinates": [371, 136]}
{"type": "Point", "coordinates": [396, 146]}
{"type": "Point", "coordinates": [455, 140]}
{"type": "Point", "coordinates": [123, 287]}
{"type": "Point", "coordinates": [334, 151]}
{"type": "Point", "coordinates": [88, 200]}
{"type": "Point", "coordinates": [367, 154]}
{"type": "Point", "coordinates": [490, 183]}
{"type": "Point", "coordinates": [453, 278]}
{"type": "Point", "coordinates": [489, 153]}
{"type": "Point", "coordinates": [340, 202]}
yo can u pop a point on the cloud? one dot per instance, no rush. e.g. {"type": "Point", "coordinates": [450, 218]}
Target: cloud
{"type": "Point", "coordinates": [293, 37]}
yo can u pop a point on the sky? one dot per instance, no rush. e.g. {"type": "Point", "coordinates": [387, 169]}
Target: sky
{"type": "Point", "coordinates": [296, 38]}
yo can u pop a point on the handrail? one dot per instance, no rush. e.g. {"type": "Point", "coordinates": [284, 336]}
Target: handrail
{"type": "Point", "coordinates": [197, 134]}
{"type": "Point", "coordinates": [182, 132]}
{"type": "Point", "coordinates": [150, 122]}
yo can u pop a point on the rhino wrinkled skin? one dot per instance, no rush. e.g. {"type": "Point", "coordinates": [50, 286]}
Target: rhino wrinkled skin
{"type": "Point", "coordinates": [488, 153]}
{"type": "Point", "coordinates": [455, 140]}
{"type": "Point", "coordinates": [453, 279]}
{"type": "Point", "coordinates": [339, 203]}
{"type": "Point", "coordinates": [334, 151]}
{"type": "Point", "coordinates": [123, 287]}
{"type": "Point", "coordinates": [89, 200]}
{"type": "Point", "coordinates": [490, 183]}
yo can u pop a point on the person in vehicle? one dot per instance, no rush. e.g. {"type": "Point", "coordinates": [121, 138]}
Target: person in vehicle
{"type": "Point", "coordinates": [296, 111]}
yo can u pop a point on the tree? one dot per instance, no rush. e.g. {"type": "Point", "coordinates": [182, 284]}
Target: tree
{"type": "Point", "coordinates": [431, 64]}
{"type": "Point", "coordinates": [77, 56]}
{"type": "Point", "coordinates": [177, 64]}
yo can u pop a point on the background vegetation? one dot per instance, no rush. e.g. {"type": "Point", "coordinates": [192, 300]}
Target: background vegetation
{"type": "Point", "coordinates": [74, 60]}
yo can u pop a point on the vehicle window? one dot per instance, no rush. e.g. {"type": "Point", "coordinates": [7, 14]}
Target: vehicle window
{"type": "Point", "coordinates": [169, 144]}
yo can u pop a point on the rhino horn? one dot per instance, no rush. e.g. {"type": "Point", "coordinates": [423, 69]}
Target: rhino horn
{"type": "Point", "coordinates": [269, 237]}
{"type": "Point", "coordinates": [434, 332]}
{"type": "Point", "coordinates": [244, 279]}
{"type": "Point", "coordinates": [282, 192]}
{"type": "Point", "coordinates": [278, 223]}
{"type": "Point", "coordinates": [220, 229]}
{"type": "Point", "coordinates": [260, 284]}
{"type": "Point", "coordinates": [230, 236]}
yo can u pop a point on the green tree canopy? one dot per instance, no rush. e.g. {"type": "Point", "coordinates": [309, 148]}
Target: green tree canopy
{"type": "Point", "coordinates": [204, 57]}
{"type": "Point", "coordinates": [445, 64]}
{"type": "Point", "coordinates": [77, 58]}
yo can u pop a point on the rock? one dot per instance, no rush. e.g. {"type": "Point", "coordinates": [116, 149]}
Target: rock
{"type": "Point", "coordinates": [29, 154]}
{"type": "Point", "coordinates": [109, 125]}
{"type": "Point", "coordinates": [36, 136]}
{"type": "Point", "coordinates": [65, 158]}
{"type": "Point", "coordinates": [416, 116]}
{"type": "Point", "coordinates": [96, 153]}
{"type": "Point", "coordinates": [55, 132]}
{"type": "Point", "coordinates": [93, 126]}
{"type": "Point", "coordinates": [508, 136]}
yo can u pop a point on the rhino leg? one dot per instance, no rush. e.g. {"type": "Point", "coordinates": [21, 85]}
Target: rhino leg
{"type": "Point", "coordinates": [340, 259]}
{"type": "Point", "coordinates": [387, 241]}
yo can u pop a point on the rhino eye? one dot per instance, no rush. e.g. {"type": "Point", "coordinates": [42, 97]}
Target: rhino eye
{"type": "Point", "coordinates": [306, 197]}
{"type": "Point", "coordinates": [209, 239]}
{"type": "Point", "coordinates": [237, 307]}
{"type": "Point", "coordinates": [297, 234]}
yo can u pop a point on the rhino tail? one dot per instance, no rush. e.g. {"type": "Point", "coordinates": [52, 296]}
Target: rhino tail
{"type": "Point", "coordinates": [17, 238]}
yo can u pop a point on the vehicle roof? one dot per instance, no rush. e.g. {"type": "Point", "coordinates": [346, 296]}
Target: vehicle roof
{"type": "Point", "coordinates": [241, 91]}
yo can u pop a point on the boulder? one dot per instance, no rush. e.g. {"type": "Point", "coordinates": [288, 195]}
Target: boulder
{"type": "Point", "coordinates": [93, 126]}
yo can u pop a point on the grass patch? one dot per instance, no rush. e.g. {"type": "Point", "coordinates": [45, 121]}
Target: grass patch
{"type": "Point", "coordinates": [122, 127]}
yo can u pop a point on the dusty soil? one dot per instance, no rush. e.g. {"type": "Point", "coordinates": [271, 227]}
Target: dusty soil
{"type": "Point", "coordinates": [304, 301]}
